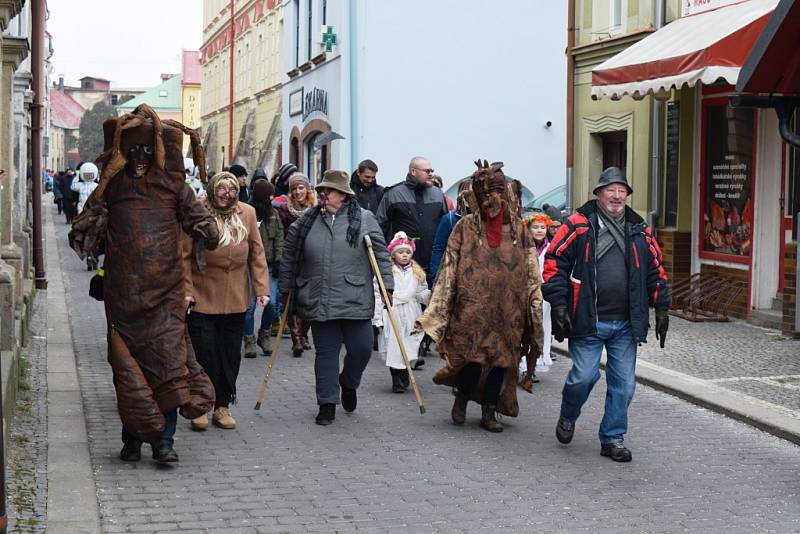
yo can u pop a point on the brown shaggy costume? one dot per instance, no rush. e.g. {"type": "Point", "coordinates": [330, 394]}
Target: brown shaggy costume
{"type": "Point", "coordinates": [486, 304]}
{"type": "Point", "coordinates": [139, 220]}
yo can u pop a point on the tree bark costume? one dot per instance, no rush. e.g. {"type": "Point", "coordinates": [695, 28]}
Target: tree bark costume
{"type": "Point", "coordinates": [139, 220]}
{"type": "Point", "coordinates": [486, 304]}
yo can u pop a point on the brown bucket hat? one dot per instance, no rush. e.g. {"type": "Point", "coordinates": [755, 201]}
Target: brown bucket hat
{"type": "Point", "coordinates": [338, 180]}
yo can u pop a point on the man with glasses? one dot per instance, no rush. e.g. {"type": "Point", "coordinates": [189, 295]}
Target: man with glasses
{"type": "Point", "coordinates": [414, 207]}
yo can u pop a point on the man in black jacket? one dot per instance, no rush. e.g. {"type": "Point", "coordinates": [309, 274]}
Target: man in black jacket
{"type": "Point", "coordinates": [602, 272]}
{"type": "Point", "coordinates": [414, 207]}
{"type": "Point", "coordinates": [363, 182]}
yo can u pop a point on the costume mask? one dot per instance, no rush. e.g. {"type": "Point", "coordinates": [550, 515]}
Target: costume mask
{"type": "Point", "coordinates": [140, 158]}
{"type": "Point", "coordinates": [490, 188]}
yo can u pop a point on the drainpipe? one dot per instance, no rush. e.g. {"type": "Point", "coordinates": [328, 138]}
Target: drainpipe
{"type": "Point", "coordinates": [570, 102]}
{"type": "Point", "coordinates": [656, 127]}
{"type": "Point", "coordinates": [230, 89]}
{"type": "Point", "coordinates": [37, 68]}
{"type": "Point", "coordinates": [353, 48]}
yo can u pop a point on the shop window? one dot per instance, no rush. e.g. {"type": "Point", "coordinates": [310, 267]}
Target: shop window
{"type": "Point", "coordinates": [615, 149]}
{"type": "Point", "coordinates": [727, 181]}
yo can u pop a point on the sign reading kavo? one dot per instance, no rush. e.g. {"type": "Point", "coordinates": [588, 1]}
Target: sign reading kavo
{"type": "Point", "coordinates": [693, 7]}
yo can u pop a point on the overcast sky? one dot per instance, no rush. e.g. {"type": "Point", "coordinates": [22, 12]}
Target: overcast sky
{"type": "Point", "coordinates": [128, 42]}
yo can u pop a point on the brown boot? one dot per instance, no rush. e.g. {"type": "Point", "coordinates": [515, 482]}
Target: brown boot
{"type": "Point", "coordinates": [249, 346]}
{"type": "Point", "coordinates": [488, 419]}
{"type": "Point", "coordinates": [295, 328]}
{"type": "Point", "coordinates": [459, 411]}
{"type": "Point", "coordinates": [305, 326]}
{"type": "Point", "coordinates": [222, 418]}
{"type": "Point", "coordinates": [263, 340]}
{"type": "Point", "coordinates": [200, 423]}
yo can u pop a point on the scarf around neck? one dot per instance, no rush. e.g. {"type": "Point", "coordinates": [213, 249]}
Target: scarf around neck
{"type": "Point", "coordinates": [306, 221]}
{"type": "Point", "coordinates": [612, 231]}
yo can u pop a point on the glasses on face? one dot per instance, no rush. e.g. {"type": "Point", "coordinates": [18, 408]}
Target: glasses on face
{"type": "Point", "coordinates": [230, 191]}
{"type": "Point", "coordinates": [427, 171]}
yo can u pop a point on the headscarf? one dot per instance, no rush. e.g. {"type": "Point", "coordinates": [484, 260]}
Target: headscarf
{"type": "Point", "coordinates": [232, 230]}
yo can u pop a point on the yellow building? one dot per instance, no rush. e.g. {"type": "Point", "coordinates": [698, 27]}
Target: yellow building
{"type": "Point", "coordinates": [250, 40]}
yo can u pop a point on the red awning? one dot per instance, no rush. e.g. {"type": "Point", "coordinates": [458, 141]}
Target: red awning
{"type": "Point", "coordinates": [773, 66]}
{"type": "Point", "coordinates": [700, 48]}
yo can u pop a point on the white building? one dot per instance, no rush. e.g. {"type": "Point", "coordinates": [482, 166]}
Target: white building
{"type": "Point", "coordinates": [450, 80]}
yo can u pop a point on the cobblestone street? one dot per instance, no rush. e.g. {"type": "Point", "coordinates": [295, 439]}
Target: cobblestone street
{"type": "Point", "coordinates": [386, 468]}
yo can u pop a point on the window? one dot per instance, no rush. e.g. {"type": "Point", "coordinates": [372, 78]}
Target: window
{"type": "Point", "coordinates": [163, 93]}
{"type": "Point", "coordinates": [324, 9]}
{"type": "Point", "coordinates": [310, 27]}
{"type": "Point", "coordinates": [615, 149]}
{"type": "Point", "coordinates": [296, 33]}
{"type": "Point", "coordinates": [616, 14]}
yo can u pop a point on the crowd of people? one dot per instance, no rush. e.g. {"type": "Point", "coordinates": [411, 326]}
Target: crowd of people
{"type": "Point", "coordinates": [485, 282]}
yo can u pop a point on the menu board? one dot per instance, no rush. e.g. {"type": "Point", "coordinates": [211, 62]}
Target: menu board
{"type": "Point", "coordinates": [728, 180]}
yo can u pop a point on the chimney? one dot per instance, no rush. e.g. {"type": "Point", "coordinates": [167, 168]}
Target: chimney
{"type": "Point", "coordinates": [60, 82]}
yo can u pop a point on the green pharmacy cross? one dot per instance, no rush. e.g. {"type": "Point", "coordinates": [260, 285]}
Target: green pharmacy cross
{"type": "Point", "coordinates": [328, 38]}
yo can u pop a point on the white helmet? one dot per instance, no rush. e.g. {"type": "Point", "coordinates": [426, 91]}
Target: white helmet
{"type": "Point", "coordinates": [88, 172]}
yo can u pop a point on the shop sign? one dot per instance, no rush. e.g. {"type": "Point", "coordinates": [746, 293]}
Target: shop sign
{"type": "Point", "coordinates": [296, 102]}
{"type": "Point", "coordinates": [316, 100]}
{"type": "Point", "coordinates": [728, 177]}
{"type": "Point", "coordinates": [693, 7]}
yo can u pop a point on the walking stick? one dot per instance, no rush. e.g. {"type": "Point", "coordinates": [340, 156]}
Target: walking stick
{"type": "Point", "coordinates": [274, 357]}
{"type": "Point", "coordinates": [390, 312]}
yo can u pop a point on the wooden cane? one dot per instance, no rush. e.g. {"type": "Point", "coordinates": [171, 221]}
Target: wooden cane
{"type": "Point", "coordinates": [274, 357]}
{"type": "Point", "coordinates": [390, 312]}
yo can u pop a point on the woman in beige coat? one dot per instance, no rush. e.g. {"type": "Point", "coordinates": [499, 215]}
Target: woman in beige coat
{"type": "Point", "coordinates": [219, 293]}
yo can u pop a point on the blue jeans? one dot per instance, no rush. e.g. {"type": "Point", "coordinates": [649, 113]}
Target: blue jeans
{"type": "Point", "coordinates": [328, 339]}
{"type": "Point", "coordinates": [271, 310]}
{"type": "Point", "coordinates": [617, 338]}
{"type": "Point", "coordinates": [166, 437]}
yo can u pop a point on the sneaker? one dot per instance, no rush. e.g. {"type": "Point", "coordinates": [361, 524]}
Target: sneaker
{"type": "Point", "coordinates": [349, 397]}
{"type": "Point", "coordinates": [200, 423]}
{"type": "Point", "coordinates": [326, 415]}
{"type": "Point", "coordinates": [616, 451]}
{"type": "Point", "coordinates": [564, 430]}
{"type": "Point", "coordinates": [222, 418]}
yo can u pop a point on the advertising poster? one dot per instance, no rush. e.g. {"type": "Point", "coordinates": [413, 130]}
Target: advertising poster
{"type": "Point", "coordinates": [728, 181]}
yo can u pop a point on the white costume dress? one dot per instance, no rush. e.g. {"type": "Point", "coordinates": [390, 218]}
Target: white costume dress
{"type": "Point", "coordinates": [408, 294]}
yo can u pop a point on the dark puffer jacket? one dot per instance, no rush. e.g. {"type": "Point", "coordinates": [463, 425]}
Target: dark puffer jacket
{"type": "Point", "coordinates": [415, 210]}
{"type": "Point", "coordinates": [570, 268]}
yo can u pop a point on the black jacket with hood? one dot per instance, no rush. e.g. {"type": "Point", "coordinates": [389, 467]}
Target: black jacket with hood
{"type": "Point", "coordinates": [368, 198]}
{"type": "Point", "coordinates": [570, 269]}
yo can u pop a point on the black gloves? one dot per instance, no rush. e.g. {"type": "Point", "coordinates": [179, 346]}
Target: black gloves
{"type": "Point", "coordinates": [662, 325]}
{"type": "Point", "coordinates": [560, 320]}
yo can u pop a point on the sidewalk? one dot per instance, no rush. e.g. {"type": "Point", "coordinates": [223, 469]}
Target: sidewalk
{"type": "Point", "coordinates": [745, 372]}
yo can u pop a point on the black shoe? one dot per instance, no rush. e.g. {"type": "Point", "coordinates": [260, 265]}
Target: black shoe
{"type": "Point", "coordinates": [326, 415]}
{"type": "Point", "coordinates": [404, 380]}
{"type": "Point", "coordinates": [397, 384]}
{"type": "Point", "coordinates": [131, 452]}
{"type": "Point", "coordinates": [564, 430]}
{"type": "Point", "coordinates": [419, 362]}
{"type": "Point", "coordinates": [616, 451]}
{"type": "Point", "coordinates": [165, 454]}
{"type": "Point", "coordinates": [349, 397]}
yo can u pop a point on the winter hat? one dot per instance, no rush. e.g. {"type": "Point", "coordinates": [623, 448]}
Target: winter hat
{"type": "Point", "coordinates": [298, 179]}
{"type": "Point", "coordinates": [88, 172]}
{"type": "Point", "coordinates": [286, 170]}
{"type": "Point", "coordinates": [262, 190]}
{"type": "Point", "coordinates": [258, 174]}
{"type": "Point", "coordinates": [612, 175]}
{"type": "Point", "coordinates": [401, 241]}
{"type": "Point", "coordinates": [553, 212]}
{"type": "Point", "coordinates": [238, 171]}
{"type": "Point", "coordinates": [337, 180]}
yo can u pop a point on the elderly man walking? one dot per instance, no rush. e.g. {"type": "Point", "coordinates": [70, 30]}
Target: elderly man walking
{"type": "Point", "coordinates": [414, 207]}
{"type": "Point", "coordinates": [602, 272]}
{"type": "Point", "coordinates": [325, 265]}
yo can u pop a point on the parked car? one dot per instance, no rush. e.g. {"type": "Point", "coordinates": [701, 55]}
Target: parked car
{"type": "Point", "coordinates": [555, 197]}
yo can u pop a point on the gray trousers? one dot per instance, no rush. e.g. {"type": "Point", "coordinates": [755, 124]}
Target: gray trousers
{"type": "Point", "coordinates": [329, 336]}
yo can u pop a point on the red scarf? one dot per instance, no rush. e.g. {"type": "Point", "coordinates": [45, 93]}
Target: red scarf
{"type": "Point", "coordinates": [494, 229]}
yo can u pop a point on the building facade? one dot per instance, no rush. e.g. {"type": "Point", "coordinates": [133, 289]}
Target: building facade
{"type": "Point", "coordinates": [448, 80]}
{"type": "Point", "coordinates": [241, 70]}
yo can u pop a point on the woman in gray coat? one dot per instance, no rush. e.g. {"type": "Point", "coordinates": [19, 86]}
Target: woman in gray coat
{"type": "Point", "coordinates": [326, 267]}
